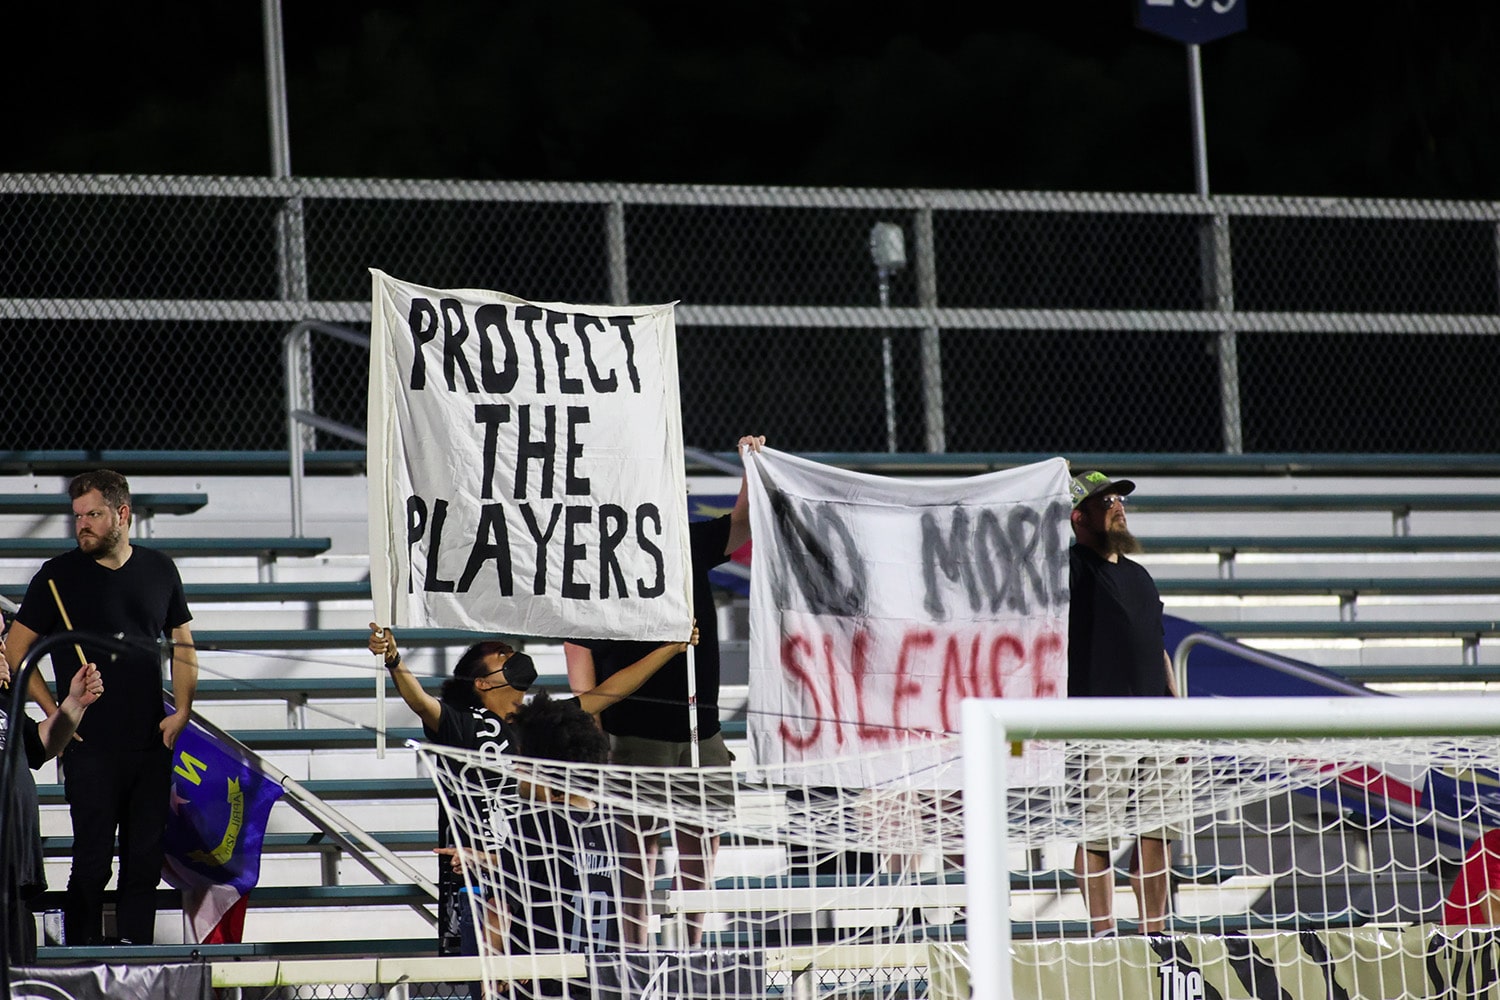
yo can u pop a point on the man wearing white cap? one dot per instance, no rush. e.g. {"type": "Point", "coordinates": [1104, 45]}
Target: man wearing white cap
{"type": "Point", "coordinates": [1115, 650]}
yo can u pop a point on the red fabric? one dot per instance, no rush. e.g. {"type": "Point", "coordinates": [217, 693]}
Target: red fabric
{"type": "Point", "coordinates": [1382, 784]}
{"type": "Point", "coordinates": [1479, 876]}
{"type": "Point", "coordinates": [231, 927]}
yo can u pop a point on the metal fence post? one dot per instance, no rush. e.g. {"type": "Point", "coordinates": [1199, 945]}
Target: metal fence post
{"type": "Point", "coordinates": [614, 238]}
{"type": "Point", "coordinates": [296, 371]}
{"type": "Point", "coordinates": [1218, 296]}
{"type": "Point", "coordinates": [931, 347]}
{"type": "Point", "coordinates": [291, 246]}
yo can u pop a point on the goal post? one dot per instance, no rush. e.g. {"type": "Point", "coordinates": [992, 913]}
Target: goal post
{"type": "Point", "coordinates": [1224, 753]}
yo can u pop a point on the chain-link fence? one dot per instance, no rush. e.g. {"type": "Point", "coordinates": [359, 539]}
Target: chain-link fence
{"type": "Point", "coordinates": [148, 312]}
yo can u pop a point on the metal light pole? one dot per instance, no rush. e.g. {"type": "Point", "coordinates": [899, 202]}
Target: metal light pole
{"type": "Point", "coordinates": [1200, 136]}
{"type": "Point", "coordinates": [1195, 22]}
{"type": "Point", "coordinates": [290, 248]}
{"type": "Point", "coordinates": [888, 253]}
{"type": "Point", "coordinates": [281, 145]}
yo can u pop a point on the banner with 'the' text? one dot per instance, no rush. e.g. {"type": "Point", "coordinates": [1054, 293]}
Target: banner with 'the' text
{"type": "Point", "coordinates": [525, 466]}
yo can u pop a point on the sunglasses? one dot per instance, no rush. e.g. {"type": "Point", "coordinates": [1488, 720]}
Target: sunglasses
{"type": "Point", "coordinates": [1107, 502]}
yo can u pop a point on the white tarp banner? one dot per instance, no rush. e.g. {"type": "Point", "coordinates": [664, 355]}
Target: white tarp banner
{"type": "Point", "coordinates": [525, 466]}
{"type": "Point", "coordinates": [878, 604]}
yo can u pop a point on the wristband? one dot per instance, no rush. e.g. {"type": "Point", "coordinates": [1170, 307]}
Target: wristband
{"type": "Point", "coordinates": [393, 664]}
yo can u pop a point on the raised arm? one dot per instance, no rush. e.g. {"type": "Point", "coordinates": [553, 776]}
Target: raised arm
{"type": "Point", "coordinates": [428, 709]}
{"type": "Point", "coordinates": [624, 683]}
{"type": "Point", "coordinates": [739, 518]}
{"type": "Point", "coordinates": [57, 729]}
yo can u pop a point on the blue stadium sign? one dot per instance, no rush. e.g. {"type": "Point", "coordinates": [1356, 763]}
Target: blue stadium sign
{"type": "Point", "coordinates": [1191, 21]}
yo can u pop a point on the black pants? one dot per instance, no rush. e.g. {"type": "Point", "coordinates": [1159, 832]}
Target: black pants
{"type": "Point", "coordinates": [109, 791]}
{"type": "Point", "coordinates": [22, 934]}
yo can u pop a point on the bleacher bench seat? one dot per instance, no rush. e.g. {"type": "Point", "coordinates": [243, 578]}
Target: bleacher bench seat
{"type": "Point", "coordinates": [1329, 586]}
{"type": "Point", "coordinates": [326, 788]}
{"type": "Point", "coordinates": [143, 504]}
{"type": "Point", "coordinates": [178, 548]}
{"type": "Point", "coordinates": [308, 590]}
{"type": "Point", "coordinates": [1253, 502]}
{"type": "Point", "coordinates": [159, 953]}
{"type": "Point", "coordinates": [1418, 673]}
{"type": "Point", "coordinates": [293, 843]}
{"type": "Point", "coordinates": [1374, 544]}
{"type": "Point", "coordinates": [168, 462]}
{"type": "Point", "coordinates": [1471, 630]}
{"type": "Point", "coordinates": [286, 895]}
{"type": "Point", "coordinates": [223, 593]}
{"type": "Point", "coordinates": [328, 638]}
{"type": "Point", "coordinates": [300, 688]}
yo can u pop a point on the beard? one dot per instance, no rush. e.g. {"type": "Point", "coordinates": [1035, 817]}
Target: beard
{"type": "Point", "coordinates": [1121, 541]}
{"type": "Point", "coordinates": [101, 546]}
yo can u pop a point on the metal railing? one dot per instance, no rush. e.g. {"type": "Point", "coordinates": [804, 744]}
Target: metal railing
{"type": "Point", "coordinates": [301, 416]}
{"type": "Point", "coordinates": [1260, 659]}
{"type": "Point", "coordinates": [1041, 322]}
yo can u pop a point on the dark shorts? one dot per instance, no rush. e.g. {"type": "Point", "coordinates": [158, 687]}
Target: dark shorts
{"type": "Point", "coordinates": [639, 751]}
{"type": "Point", "coordinates": [693, 794]}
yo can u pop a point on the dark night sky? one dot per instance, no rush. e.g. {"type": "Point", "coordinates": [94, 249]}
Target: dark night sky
{"type": "Point", "coordinates": [1393, 99]}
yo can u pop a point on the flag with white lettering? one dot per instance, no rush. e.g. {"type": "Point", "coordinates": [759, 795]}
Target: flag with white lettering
{"type": "Point", "coordinates": [221, 802]}
{"type": "Point", "coordinates": [878, 604]}
{"type": "Point", "coordinates": [525, 466]}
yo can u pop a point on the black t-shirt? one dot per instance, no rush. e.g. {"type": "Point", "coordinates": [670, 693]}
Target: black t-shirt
{"type": "Point", "coordinates": [28, 874]}
{"type": "Point", "coordinates": [561, 882]}
{"type": "Point", "coordinates": [658, 709]}
{"type": "Point", "coordinates": [1115, 633]}
{"type": "Point", "coordinates": [142, 601]}
{"type": "Point", "coordinates": [473, 729]}
{"type": "Point", "coordinates": [470, 729]}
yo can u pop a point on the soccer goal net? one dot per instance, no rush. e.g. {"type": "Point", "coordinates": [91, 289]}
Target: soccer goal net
{"type": "Point", "coordinates": [1177, 865]}
{"type": "Point", "coordinates": [1235, 848]}
{"type": "Point", "coordinates": [747, 882]}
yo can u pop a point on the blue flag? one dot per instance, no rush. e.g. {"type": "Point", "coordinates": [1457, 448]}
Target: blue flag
{"type": "Point", "coordinates": [220, 804]}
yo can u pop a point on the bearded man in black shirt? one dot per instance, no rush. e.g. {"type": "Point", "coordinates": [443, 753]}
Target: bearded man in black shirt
{"type": "Point", "coordinates": [117, 774]}
{"type": "Point", "coordinates": [1115, 650]}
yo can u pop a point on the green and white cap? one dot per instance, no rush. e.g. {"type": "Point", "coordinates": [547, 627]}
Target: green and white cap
{"type": "Point", "coordinates": [1087, 484]}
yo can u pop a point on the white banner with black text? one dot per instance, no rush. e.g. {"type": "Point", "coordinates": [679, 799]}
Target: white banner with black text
{"type": "Point", "coordinates": [878, 604]}
{"type": "Point", "coordinates": [525, 466]}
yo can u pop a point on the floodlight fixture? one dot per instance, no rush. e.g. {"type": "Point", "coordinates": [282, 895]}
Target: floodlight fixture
{"type": "Point", "coordinates": [888, 247]}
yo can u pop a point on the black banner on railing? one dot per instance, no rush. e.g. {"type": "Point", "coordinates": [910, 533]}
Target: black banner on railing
{"type": "Point", "coordinates": [113, 982]}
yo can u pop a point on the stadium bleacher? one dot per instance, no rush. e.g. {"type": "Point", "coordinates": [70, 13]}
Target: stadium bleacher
{"type": "Point", "coordinates": [281, 620]}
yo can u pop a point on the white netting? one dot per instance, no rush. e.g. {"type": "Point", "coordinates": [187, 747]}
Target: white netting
{"type": "Point", "coordinates": [862, 889]}
{"type": "Point", "coordinates": [873, 873]}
